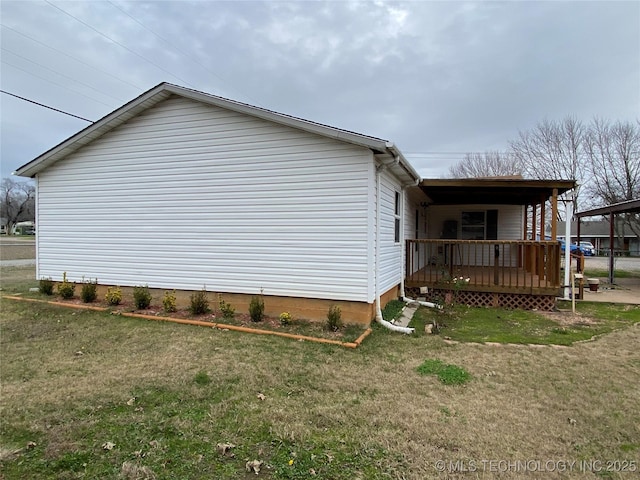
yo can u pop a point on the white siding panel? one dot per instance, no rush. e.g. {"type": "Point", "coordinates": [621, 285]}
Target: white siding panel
{"type": "Point", "coordinates": [510, 224]}
{"type": "Point", "coordinates": [187, 195]}
{"type": "Point", "coordinates": [391, 267]}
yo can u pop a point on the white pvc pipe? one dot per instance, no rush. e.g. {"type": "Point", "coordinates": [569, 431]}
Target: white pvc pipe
{"type": "Point", "coordinates": [567, 246]}
{"type": "Point", "coordinates": [419, 302]}
{"type": "Point", "coordinates": [379, 319]}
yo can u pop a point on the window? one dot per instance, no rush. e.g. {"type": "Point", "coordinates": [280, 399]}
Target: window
{"type": "Point", "coordinates": [480, 225]}
{"type": "Point", "coordinates": [397, 218]}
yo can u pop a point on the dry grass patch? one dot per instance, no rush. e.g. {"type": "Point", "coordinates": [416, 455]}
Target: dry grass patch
{"type": "Point", "coordinates": [165, 395]}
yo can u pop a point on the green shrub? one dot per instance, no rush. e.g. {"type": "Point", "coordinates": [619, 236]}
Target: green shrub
{"type": "Point", "coordinates": [66, 289]}
{"type": "Point", "coordinates": [226, 309]}
{"type": "Point", "coordinates": [113, 296]}
{"type": "Point", "coordinates": [89, 291]}
{"type": "Point", "coordinates": [334, 318]}
{"type": "Point", "coordinates": [46, 286]}
{"type": "Point", "coordinates": [285, 318]}
{"type": "Point", "coordinates": [169, 301]}
{"type": "Point", "coordinates": [199, 303]}
{"type": "Point", "coordinates": [256, 309]}
{"type": "Point", "coordinates": [141, 297]}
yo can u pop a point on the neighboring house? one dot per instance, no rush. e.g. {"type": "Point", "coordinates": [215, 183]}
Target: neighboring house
{"type": "Point", "coordinates": [179, 189]}
{"type": "Point", "coordinates": [597, 232]}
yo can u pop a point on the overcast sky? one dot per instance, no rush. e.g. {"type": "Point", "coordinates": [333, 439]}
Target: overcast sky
{"type": "Point", "coordinates": [436, 78]}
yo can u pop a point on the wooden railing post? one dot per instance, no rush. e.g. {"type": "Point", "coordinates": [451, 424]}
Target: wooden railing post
{"type": "Point", "coordinates": [496, 257]}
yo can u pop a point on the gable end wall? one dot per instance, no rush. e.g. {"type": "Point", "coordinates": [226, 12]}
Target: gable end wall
{"type": "Point", "coordinates": [188, 195]}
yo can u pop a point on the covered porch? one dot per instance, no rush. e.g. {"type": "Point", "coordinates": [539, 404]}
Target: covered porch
{"type": "Point", "coordinates": [481, 264]}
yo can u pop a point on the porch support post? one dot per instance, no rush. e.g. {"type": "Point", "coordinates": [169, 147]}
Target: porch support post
{"type": "Point", "coordinates": [542, 219]}
{"type": "Point", "coordinates": [611, 219]}
{"type": "Point", "coordinates": [525, 228]}
{"type": "Point", "coordinates": [554, 215]}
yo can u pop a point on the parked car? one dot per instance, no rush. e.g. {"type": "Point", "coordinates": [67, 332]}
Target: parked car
{"type": "Point", "coordinates": [588, 248]}
{"type": "Point", "coordinates": [574, 249]}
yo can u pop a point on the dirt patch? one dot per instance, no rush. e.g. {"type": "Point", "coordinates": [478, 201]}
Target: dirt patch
{"type": "Point", "coordinates": [570, 319]}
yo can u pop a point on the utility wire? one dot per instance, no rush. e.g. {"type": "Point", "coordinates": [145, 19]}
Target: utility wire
{"type": "Point", "coordinates": [137, 87]}
{"type": "Point", "coordinates": [45, 106]}
{"type": "Point", "coordinates": [180, 51]}
{"type": "Point", "coordinates": [62, 75]}
{"type": "Point", "coordinates": [55, 83]}
{"type": "Point", "coordinates": [120, 44]}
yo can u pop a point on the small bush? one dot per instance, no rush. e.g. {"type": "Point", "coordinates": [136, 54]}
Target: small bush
{"type": "Point", "coordinates": [199, 303]}
{"type": "Point", "coordinates": [113, 296]}
{"type": "Point", "coordinates": [226, 309]}
{"type": "Point", "coordinates": [256, 309]}
{"type": "Point", "coordinates": [334, 318]}
{"type": "Point", "coordinates": [447, 374]}
{"type": "Point", "coordinates": [285, 318]}
{"type": "Point", "coordinates": [142, 297]}
{"type": "Point", "coordinates": [169, 301]}
{"type": "Point", "coordinates": [66, 289]}
{"type": "Point", "coordinates": [46, 286]}
{"type": "Point", "coordinates": [89, 291]}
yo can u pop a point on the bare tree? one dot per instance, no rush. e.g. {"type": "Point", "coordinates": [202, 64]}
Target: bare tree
{"type": "Point", "coordinates": [17, 202]}
{"type": "Point", "coordinates": [487, 164]}
{"type": "Point", "coordinates": [552, 150]}
{"type": "Point", "coordinates": [613, 152]}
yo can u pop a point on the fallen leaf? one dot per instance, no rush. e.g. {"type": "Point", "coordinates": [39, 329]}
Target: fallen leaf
{"type": "Point", "coordinates": [31, 445]}
{"type": "Point", "coordinates": [131, 401]}
{"type": "Point", "coordinates": [312, 471]}
{"type": "Point", "coordinates": [253, 465]}
{"type": "Point", "coordinates": [79, 352]}
{"type": "Point", "coordinates": [224, 448]}
{"type": "Point", "coordinates": [261, 396]}
{"type": "Point", "coordinates": [108, 445]}
{"type": "Point", "coordinates": [572, 421]}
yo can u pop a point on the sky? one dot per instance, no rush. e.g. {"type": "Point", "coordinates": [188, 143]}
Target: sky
{"type": "Point", "coordinates": [437, 78]}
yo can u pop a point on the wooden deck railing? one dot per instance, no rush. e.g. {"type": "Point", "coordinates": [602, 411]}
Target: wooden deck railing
{"type": "Point", "coordinates": [491, 265]}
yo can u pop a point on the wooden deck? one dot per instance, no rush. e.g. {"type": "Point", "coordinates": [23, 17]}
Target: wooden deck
{"type": "Point", "coordinates": [519, 267]}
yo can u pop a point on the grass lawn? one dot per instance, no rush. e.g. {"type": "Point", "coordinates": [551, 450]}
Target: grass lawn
{"type": "Point", "coordinates": [92, 395]}
{"type": "Point", "coordinates": [466, 324]}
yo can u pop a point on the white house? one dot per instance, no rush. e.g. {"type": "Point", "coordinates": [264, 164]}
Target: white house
{"type": "Point", "coordinates": [179, 189]}
{"type": "Point", "coordinates": [182, 190]}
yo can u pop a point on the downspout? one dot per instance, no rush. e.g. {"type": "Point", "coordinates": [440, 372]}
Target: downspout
{"type": "Point", "coordinates": [402, 242]}
{"type": "Point", "coordinates": [379, 319]}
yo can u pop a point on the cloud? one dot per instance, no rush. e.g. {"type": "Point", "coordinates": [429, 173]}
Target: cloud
{"type": "Point", "coordinates": [431, 76]}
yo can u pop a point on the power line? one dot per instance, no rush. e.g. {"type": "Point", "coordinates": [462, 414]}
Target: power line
{"type": "Point", "coordinates": [54, 83]}
{"type": "Point", "coordinates": [180, 51]}
{"type": "Point", "coordinates": [118, 43]}
{"type": "Point", "coordinates": [46, 106]}
{"type": "Point", "coordinates": [61, 74]}
{"type": "Point", "coordinates": [72, 57]}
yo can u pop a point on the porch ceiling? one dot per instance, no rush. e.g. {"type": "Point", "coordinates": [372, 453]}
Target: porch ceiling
{"type": "Point", "coordinates": [499, 191]}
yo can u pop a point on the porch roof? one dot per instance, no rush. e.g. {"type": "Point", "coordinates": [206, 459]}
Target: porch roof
{"type": "Point", "coordinates": [501, 191]}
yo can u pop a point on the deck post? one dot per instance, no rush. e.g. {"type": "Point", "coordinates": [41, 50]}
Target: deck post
{"type": "Point", "coordinates": [543, 205]}
{"type": "Point", "coordinates": [554, 215]}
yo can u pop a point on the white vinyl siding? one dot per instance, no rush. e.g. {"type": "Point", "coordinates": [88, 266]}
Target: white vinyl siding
{"type": "Point", "coordinates": [413, 198]}
{"type": "Point", "coordinates": [188, 195]}
{"type": "Point", "coordinates": [510, 223]}
{"type": "Point", "coordinates": [391, 267]}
